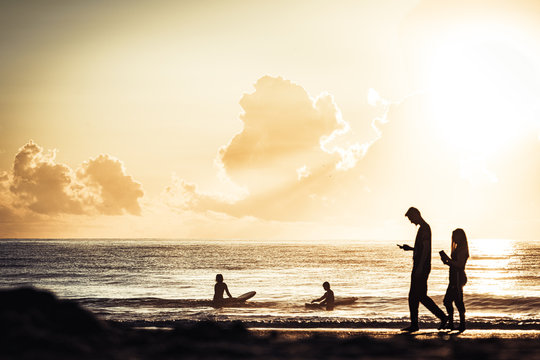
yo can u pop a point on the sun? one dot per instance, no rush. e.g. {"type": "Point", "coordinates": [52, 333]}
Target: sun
{"type": "Point", "coordinates": [482, 86]}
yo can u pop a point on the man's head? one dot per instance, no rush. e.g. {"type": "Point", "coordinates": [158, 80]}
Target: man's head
{"type": "Point", "coordinates": [326, 285]}
{"type": "Point", "coordinates": [414, 215]}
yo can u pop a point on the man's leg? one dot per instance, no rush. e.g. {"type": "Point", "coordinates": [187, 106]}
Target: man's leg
{"type": "Point", "coordinates": [431, 306]}
{"type": "Point", "coordinates": [413, 308]}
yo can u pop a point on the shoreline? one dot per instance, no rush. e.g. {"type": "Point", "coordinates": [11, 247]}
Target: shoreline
{"type": "Point", "coordinates": [391, 332]}
{"type": "Point", "coordinates": [499, 326]}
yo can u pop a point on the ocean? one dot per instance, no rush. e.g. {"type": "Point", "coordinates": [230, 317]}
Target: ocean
{"type": "Point", "coordinates": [155, 282]}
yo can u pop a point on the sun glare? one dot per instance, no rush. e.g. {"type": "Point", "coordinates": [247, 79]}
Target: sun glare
{"type": "Point", "coordinates": [491, 261]}
{"type": "Point", "coordinates": [481, 83]}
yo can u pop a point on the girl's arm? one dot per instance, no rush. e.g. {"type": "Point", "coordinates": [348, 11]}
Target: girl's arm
{"type": "Point", "coordinates": [459, 263]}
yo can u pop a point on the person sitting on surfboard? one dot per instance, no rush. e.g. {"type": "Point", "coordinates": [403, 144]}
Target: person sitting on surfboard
{"type": "Point", "coordinates": [219, 288]}
{"type": "Point", "coordinates": [328, 297]}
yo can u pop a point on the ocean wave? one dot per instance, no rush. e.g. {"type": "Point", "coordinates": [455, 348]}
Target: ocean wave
{"type": "Point", "coordinates": [474, 302]}
{"type": "Point", "coordinates": [357, 323]}
{"type": "Point", "coordinates": [143, 302]}
{"type": "Point", "coordinates": [167, 303]}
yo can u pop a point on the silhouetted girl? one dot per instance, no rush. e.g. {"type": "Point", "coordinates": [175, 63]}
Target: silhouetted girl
{"type": "Point", "coordinates": [457, 279]}
{"type": "Point", "coordinates": [219, 288]}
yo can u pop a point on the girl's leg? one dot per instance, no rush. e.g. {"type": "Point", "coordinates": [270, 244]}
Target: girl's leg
{"type": "Point", "coordinates": [461, 308]}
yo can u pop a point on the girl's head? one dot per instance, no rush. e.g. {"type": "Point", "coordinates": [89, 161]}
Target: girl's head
{"type": "Point", "coordinates": [219, 278]}
{"type": "Point", "coordinates": [459, 241]}
{"type": "Point", "coordinates": [326, 285]}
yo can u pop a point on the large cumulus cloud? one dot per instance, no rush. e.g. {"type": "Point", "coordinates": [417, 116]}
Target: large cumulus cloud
{"type": "Point", "coordinates": [40, 184]}
{"type": "Point", "coordinates": [289, 156]}
{"type": "Point", "coordinates": [282, 131]}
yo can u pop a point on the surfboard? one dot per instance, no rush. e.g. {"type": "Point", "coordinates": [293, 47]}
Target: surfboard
{"type": "Point", "coordinates": [345, 301]}
{"type": "Point", "coordinates": [239, 299]}
{"type": "Point", "coordinates": [245, 296]}
{"type": "Point", "coordinates": [338, 301]}
{"type": "Point", "coordinates": [314, 306]}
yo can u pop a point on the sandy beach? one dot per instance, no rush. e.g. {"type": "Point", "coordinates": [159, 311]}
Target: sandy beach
{"type": "Point", "coordinates": [36, 324]}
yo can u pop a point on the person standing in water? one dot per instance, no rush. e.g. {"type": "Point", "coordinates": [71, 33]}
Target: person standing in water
{"type": "Point", "coordinates": [420, 272]}
{"type": "Point", "coordinates": [328, 297]}
{"type": "Point", "coordinates": [457, 277]}
{"type": "Point", "coordinates": [219, 288]}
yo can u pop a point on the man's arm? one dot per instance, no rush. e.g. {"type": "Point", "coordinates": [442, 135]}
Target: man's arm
{"type": "Point", "coordinates": [319, 299]}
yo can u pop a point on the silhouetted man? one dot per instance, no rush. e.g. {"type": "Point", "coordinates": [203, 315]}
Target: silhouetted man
{"type": "Point", "coordinates": [420, 271]}
{"type": "Point", "coordinates": [328, 297]}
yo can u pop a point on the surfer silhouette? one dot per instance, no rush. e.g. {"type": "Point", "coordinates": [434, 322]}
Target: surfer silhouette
{"type": "Point", "coordinates": [457, 278]}
{"type": "Point", "coordinates": [420, 272]}
{"type": "Point", "coordinates": [328, 297]}
{"type": "Point", "coordinates": [219, 288]}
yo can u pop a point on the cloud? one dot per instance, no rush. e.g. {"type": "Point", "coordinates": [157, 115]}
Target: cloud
{"type": "Point", "coordinates": [351, 154]}
{"type": "Point", "coordinates": [116, 191]}
{"type": "Point", "coordinates": [186, 196]}
{"type": "Point", "coordinates": [7, 214]}
{"type": "Point", "coordinates": [41, 185]}
{"type": "Point", "coordinates": [282, 131]}
{"type": "Point", "coordinates": [302, 172]}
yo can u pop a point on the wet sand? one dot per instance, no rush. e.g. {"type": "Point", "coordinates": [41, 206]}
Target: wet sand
{"type": "Point", "coordinates": [302, 333]}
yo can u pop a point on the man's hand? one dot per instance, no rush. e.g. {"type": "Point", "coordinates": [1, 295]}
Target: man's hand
{"type": "Point", "coordinates": [405, 247]}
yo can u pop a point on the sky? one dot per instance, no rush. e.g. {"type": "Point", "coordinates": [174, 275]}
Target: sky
{"type": "Point", "coordinates": [269, 120]}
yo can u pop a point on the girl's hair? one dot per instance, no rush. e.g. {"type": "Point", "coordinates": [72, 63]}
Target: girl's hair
{"type": "Point", "coordinates": [459, 243]}
{"type": "Point", "coordinates": [219, 278]}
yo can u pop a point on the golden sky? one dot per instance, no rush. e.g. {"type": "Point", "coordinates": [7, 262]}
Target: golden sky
{"type": "Point", "coordinates": [256, 119]}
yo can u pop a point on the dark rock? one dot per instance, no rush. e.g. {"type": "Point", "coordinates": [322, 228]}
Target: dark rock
{"type": "Point", "coordinates": [35, 322]}
{"type": "Point", "coordinates": [29, 309]}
